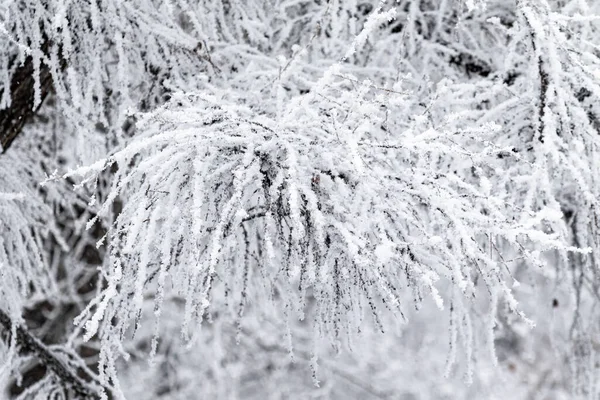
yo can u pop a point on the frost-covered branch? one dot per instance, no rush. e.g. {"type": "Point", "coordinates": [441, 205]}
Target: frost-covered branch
{"type": "Point", "coordinates": [302, 177]}
{"type": "Point", "coordinates": [29, 343]}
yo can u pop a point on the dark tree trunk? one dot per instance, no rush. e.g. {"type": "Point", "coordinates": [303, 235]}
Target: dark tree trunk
{"type": "Point", "coordinates": [22, 93]}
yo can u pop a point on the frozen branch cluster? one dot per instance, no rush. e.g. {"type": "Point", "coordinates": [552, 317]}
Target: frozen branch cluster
{"type": "Point", "coordinates": [257, 178]}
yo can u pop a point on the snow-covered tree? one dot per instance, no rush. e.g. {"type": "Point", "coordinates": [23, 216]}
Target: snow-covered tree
{"type": "Point", "coordinates": [239, 199]}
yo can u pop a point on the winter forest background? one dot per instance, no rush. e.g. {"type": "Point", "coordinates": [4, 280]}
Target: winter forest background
{"type": "Point", "coordinates": [299, 199]}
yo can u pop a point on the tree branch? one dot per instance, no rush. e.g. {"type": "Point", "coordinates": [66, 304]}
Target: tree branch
{"type": "Point", "coordinates": [22, 94]}
{"type": "Point", "coordinates": [31, 344]}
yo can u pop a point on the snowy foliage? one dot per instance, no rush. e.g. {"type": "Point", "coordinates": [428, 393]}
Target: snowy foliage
{"type": "Point", "coordinates": [301, 193]}
{"type": "Point", "coordinates": [25, 227]}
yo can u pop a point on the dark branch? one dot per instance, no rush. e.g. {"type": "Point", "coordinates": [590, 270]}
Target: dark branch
{"type": "Point", "coordinates": [29, 343]}
{"type": "Point", "coordinates": [22, 94]}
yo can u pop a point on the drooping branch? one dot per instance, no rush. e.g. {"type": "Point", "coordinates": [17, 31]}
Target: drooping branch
{"type": "Point", "coordinates": [544, 83]}
{"type": "Point", "coordinates": [31, 344]}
